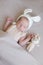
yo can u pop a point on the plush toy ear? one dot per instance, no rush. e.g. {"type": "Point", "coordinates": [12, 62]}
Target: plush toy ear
{"type": "Point", "coordinates": [36, 18]}
{"type": "Point", "coordinates": [27, 11]}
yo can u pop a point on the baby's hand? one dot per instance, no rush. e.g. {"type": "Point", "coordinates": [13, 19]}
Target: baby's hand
{"type": "Point", "coordinates": [23, 40]}
{"type": "Point", "coordinates": [7, 23]}
{"type": "Point", "coordinates": [30, 36]}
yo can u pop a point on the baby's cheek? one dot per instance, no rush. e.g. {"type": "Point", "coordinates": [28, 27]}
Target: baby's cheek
{"type": "Point", "coordinates": [23, 29]}
{"type": "Point", "coordinates": [18, 25]}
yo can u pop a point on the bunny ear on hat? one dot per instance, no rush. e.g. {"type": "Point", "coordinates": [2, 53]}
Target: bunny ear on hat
{"type": "Point", "coordinates": [33, 19]}
{"type": "Point", "coordinates": [25, 14]}
{"type": "Point", "coordinates": [36, 18]}
{"type": "Point", "coordinates": [27, 11]}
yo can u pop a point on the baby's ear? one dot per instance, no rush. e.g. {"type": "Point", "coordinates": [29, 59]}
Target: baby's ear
{"type": "Point", "coordinates": [36, 18]}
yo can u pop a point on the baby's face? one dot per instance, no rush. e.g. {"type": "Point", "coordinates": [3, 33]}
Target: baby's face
{"type": "Point", "coordinates": [22, 24]}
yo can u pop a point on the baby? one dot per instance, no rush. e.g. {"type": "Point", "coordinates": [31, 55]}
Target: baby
{"type": "Point", "coordinates": [29, 41]}
{"type": "Point", "coordinates": [23, 23]}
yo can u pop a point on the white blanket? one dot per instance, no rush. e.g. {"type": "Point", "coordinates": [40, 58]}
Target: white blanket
{"type": "Point", "coordinates": [13, 53]}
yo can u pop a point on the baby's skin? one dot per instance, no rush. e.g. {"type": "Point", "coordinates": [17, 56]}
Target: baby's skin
{"type": "Point", "coordinates": [7, 23]}
{"type": "Point", "coordinates": [25, 39]}
{"type": "Point", "coordinates": [21, 24]}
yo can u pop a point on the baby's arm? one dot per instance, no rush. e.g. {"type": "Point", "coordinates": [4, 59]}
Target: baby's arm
{"type": "Point", "coordinates": [7, 24]}
{"type": "Point", "coordinates": [23, 40]}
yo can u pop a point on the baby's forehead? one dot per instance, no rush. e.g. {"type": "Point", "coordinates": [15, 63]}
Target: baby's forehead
{"type": "Point", "coordinates": [23, 18]}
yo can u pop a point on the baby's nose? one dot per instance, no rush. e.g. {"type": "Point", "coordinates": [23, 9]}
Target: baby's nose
{"type": "Point", "coordinates": [22, 28]}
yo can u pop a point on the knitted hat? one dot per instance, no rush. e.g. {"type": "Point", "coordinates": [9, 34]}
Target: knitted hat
{"type": "Point", "coordinates": [31, 19]}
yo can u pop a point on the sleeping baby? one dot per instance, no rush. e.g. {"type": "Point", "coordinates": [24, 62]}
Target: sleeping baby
{"type": "Point", "coordinates": [23, 23]}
